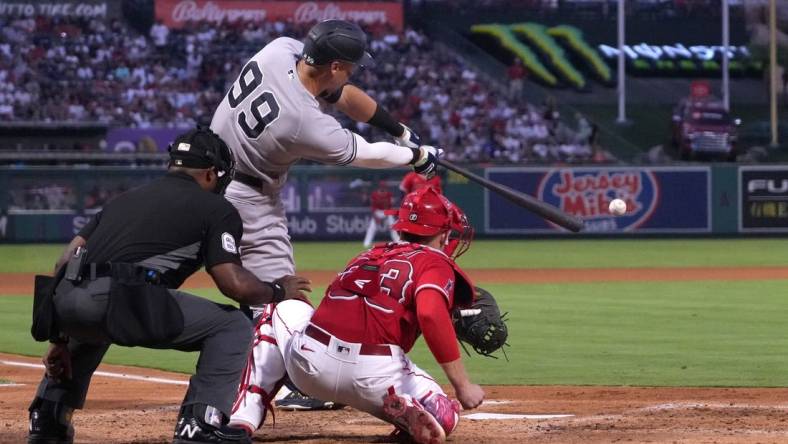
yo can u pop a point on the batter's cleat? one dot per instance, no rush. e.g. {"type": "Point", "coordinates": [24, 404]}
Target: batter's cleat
{"type": "Point", "coordinates": [408, 414]}
{"type": "Point", "coordinates": [201, 424]}
{"type": "Point", "coordinates": [50, 423]}
{"type": "Point", "coordinates": [445, 410]}
{"type": "Point", "coordinates": [296, 400]}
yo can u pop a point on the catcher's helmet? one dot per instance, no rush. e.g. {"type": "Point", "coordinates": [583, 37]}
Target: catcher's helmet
{"type": "Point", "coordinates": [332, 40]}
{"type": "Point", "coordinates": [425, 212]}
{"type": "Point", "coordinates": [202, 148]}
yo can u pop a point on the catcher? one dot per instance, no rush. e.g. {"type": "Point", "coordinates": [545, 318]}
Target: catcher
{"type": "Point", "coordinates": [353, 348]}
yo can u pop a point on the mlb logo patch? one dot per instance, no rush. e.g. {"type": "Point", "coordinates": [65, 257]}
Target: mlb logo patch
{"type": "Point", "coordinates": [449, 285]}
{"type": "Point", "coordinates": [184, 146]}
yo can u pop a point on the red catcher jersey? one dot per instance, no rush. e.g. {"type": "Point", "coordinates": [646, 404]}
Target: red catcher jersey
{"type": "Point", "coordinates": [414, 181]}
{"type": "Point", "coordinates": [374, 300]}
{"type": "Point", "coordinates": [380, 199]}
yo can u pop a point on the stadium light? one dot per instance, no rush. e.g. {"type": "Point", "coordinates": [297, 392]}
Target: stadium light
{"type": "Point", "coordinates": [726, 41]}
{"type": "Point", "coordinates": [773, 69]}
{"type": "Point", "coordinates": [622, 112]}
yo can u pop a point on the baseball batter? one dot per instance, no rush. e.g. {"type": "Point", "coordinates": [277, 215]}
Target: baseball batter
{"type": "Point", "coordinates": [352, 349]}
{"type": "Point", "coordinates": [380, 200]}
{"type": "Point", "coordinates": [272, 116]}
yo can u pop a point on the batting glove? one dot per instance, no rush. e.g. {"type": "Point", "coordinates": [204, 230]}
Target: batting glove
{"type": "Point", "coordinates": [408, 138]}
{"type": "Point", "coordinates": [427, 162]}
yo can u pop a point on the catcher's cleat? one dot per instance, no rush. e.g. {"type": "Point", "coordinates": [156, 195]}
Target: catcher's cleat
{"type": "Point", "coordinates": [296, 400]}
{"type": "Point", "coordinates": [408, 414]}
{"type": "Point", "coordinates": [446, 411]}
{"type": "Point", "coordinates": [201, 424]}
{"type": "Point", "coordinates": [50, 423]}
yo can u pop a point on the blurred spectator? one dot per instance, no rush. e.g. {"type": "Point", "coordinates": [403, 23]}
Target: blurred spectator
{"type": "Point", "coordinates": [159, 33]}
{"type": "Point", "coordinates": [3, 223]}
{"type": "Point", "coordinates": [517, 74]}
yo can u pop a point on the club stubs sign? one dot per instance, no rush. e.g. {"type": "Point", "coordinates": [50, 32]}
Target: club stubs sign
{"type": "Point", "coordinates": [659, 200]}
{"type": "Point", "coordinates": [764, 199]}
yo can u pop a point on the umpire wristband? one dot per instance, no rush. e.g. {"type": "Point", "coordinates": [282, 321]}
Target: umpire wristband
{"type": "Point", "coordinates": [278, 292]}
{"type": "Point", "coordinates": [383, 120]}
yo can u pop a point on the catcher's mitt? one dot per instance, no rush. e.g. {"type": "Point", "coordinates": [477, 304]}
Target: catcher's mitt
{"type": "Point", "coordinates": [481, 326]}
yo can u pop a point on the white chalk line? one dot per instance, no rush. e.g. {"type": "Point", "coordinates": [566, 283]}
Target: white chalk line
{"type": "Point", "coordinates": [10, 384]}
{"type": "Point", "coordinates": [106, 374]}
{"type": "Point", "coordinates": [486, 416]}
{"type": "Point", "coordinates": [708, 405]}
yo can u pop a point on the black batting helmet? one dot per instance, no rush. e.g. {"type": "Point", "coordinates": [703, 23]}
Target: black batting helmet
{"type": "Point", "coordinates": [202, 148]}
{"type": "Point", "coordinates": [332, 40]}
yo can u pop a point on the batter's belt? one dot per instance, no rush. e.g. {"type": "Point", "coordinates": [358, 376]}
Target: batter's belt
{"type": "Point", "coordinates": [253, 181]}
{"type": "Point", "coordinates": [366, 349]}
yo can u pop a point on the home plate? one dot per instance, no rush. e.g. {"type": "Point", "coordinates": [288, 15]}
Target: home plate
{"type": "Point", "coordinates": [483, 416]}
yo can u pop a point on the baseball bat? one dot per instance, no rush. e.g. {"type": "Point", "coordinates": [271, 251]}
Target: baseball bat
{"type": "Point", "coordinates": [543, 209]}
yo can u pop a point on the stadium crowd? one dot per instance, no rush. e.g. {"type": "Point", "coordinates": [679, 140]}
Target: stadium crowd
{"type": "Point", "coordinates": [87, 70]}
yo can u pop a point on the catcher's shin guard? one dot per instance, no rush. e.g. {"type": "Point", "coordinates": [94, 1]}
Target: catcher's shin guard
{"type": "Point", "coordinates": [50, 423]}
{"type": "Point", "coordinates": [265, 369]}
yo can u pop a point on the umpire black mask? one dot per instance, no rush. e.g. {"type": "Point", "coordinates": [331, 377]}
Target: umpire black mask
{"type": "Point", "coordinates": [201, 148]}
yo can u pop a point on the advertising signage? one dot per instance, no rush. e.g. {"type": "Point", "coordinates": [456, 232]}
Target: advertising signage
{"type": "Point", "coordinates": [178, 13]}
{"type": "Point", "coordinates": [659, 200]}
{"type": "Point", "coordinates": [100, 9]}
{"type": "Point", "coordinates": [764, 199]}
{"type": "Point", "coordinates": [564, 55]}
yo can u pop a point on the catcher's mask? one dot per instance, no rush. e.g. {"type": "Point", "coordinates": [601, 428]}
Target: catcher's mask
{"type": "Point", "coordinates": [425, 212]}
{"type": "Point", "coordinates": [201, 148]}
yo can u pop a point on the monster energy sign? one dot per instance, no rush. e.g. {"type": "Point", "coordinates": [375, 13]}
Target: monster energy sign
{"type": "Point", "coordinates": [560, 55]}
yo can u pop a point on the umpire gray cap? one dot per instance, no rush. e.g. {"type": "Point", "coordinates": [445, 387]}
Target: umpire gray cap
{"type": "Point", "coordinates": [332, 40]}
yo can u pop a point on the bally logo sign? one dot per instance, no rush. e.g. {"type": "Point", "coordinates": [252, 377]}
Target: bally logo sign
{"type": "Point", "coordinates": [177, 13]}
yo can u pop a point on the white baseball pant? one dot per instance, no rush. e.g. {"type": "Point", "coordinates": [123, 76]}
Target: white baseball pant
{"type": "Point", "coordinates": [379, 218]}
{"type": "Point", "coordinates": [337, 371]}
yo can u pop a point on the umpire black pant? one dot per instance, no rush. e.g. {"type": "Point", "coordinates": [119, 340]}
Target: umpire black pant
{"type": "Point", "coordinates": [221, 333]}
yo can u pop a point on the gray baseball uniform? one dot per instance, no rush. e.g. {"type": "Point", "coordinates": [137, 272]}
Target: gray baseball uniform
{"type": "Point", "coordinates": [270, 121]}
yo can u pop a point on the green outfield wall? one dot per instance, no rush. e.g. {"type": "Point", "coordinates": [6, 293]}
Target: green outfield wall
{"type": "Point", "coordinates": [52, 204]}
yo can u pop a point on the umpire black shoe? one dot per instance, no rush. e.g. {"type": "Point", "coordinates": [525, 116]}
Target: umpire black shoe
{"type": "Point", "coordinates": [201, 424]}
{"type": "Point", "coordinates": [50, 423]}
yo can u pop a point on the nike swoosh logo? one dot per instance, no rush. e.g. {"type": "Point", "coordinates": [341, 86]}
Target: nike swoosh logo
{"type": "Point", "coordinates": [305, 348]}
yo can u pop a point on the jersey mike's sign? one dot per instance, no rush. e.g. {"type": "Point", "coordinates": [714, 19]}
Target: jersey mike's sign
{"type": "Point", "coordinates": [177, 13]}
{"type": "Point", "coordinates": [659, 199]}
{"type": "Point", "coordinates": [587, 194]}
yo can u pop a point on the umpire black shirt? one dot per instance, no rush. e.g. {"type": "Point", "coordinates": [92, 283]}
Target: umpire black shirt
{"type": "Point", "coordinates": [170, 225]}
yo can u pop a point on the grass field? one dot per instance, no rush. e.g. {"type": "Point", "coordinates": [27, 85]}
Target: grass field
{"type": "Point", "coordinates": [698, 333]}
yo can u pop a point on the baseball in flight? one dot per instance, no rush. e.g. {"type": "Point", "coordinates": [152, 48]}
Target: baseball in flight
{"type": "Point", "coordinates": [618, 207]}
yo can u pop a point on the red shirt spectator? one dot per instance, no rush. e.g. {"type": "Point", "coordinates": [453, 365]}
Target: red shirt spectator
{"type": "Point", "coordinates": [413, 181]}
{"type": "Point", "coordinates": [381, 199]}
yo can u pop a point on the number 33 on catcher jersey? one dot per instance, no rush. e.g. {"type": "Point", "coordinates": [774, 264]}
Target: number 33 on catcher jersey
{"type": "Point", "coordinates": [373, 300]}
